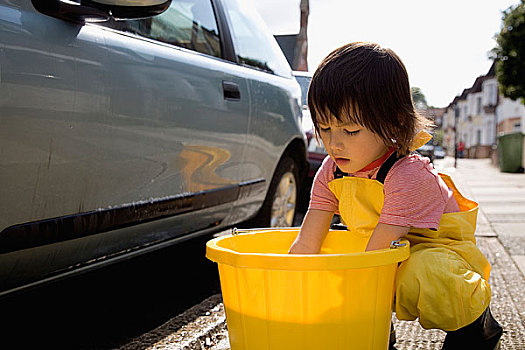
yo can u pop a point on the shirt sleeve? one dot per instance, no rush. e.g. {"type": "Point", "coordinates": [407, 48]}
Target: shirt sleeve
{"type": "Point", "coordinates": [321, 198]}
{"type": "Point", "coordinates": [415, 195]}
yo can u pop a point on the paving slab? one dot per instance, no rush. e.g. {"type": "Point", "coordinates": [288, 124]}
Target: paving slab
{"type": "Point", "coordinates": [517, 209]}
{"type": "Point", "coordinates": [520, 261]}
{"type": "Point", "coordinates": [501, 197]}
{"type": "Point", "coordinates": [508, 292]}
{"type": "Point", "coordinates": [510, 228]}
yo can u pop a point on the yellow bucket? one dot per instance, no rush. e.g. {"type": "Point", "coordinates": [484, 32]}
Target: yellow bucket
{"type": "Point", "coordinates": [338, 299]}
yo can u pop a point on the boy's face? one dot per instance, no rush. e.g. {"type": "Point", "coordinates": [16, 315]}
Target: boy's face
{"type": "Point", "coordinates": [351, 146]}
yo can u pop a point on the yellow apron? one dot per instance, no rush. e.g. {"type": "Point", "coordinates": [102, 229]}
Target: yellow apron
{"type": "Point", "coordinates": [444, 283]}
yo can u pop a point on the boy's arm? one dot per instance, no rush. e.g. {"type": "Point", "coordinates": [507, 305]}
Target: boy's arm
{"type": "Point", "coordinates": [384, 234]}
{"type": "Point", "coordinates": [313, 231]}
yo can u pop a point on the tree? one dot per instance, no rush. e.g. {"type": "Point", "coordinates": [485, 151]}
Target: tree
{"type": "Point", "coordinates": [419, 98]}
{"type": "Point", "coordinates": [438, 137]}
{"type": "Point", "coordinates": [509, 54]}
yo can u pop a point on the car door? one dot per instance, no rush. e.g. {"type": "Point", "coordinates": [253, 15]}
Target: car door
{"type": "Point", "coordinates": [114, 138]}
{"type": "Point", "coordinates": [274, 133]}
{"type": "Point", "coordinates": [173, 92]}
{"type": "Point", "coordinates": [53, 90]}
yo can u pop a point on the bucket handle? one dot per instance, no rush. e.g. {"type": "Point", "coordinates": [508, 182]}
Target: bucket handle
{"type": "Point", "coordinates": [396, 244]}
{"type": "Point", "coordinates": [235, 231]}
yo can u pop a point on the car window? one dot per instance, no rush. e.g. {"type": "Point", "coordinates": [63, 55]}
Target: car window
{"type": "Point", "coordinates": [255, 46]}
{"type": "Point", "coordinates": [187, 23]}
{"type": "Point", "coordinates": [304, 82]}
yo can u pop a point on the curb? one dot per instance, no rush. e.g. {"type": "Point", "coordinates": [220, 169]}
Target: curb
{"type": "Point", "coordinates": [200, 327]}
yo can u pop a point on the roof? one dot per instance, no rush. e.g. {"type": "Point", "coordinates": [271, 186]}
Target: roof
{"type": "Point", "coordinates": [476, 87]}
{"type": "Point", "coordinates": [492, 71]}
{"type": "Point", "coordinates": [464, 94]}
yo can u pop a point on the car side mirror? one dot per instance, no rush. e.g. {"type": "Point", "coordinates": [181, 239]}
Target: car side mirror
{"type": "Point", "coordinates": [101, 10]}
{"type": "Point", "coordinates": [130, 9]}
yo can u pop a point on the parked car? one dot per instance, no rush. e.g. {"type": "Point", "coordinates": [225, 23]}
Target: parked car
{"type": "Point", "coordinates": [427, 150]}
{"type": "Point", "coordinates": [316, 150]}
{"type": "Point", "coordinates": [129, 128]}
{"type": "Point", "coordinates": [439, 152]}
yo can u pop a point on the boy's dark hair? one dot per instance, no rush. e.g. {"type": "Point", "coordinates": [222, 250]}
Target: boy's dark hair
{"type": "Point", "coordinates": [368, 85]}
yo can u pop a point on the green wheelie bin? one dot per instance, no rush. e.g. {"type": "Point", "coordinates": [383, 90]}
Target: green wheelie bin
{"type": "Point", "coordinates": [510, 152]}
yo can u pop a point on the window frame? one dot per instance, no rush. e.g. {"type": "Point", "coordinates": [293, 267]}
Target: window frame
{"type": "Point", "coordinates": [235, 57]}
{"type": "Point", "coordinates": [225, 40]}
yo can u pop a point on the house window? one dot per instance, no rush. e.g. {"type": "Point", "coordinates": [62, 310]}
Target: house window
{"type": "Point", "coordinates": [478, 137]}
{"type": "Point", "coordinates": [493, 88]}
{"type": "Point", "coordinates": [478, 106]}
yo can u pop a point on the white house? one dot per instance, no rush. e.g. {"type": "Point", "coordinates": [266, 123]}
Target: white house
{"type": "Point", "coordinates": [478, 115]}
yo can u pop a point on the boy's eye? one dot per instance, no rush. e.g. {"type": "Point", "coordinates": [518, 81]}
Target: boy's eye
{"type": "Point", "coordinates": [352, 132]}
{"type": "Point", "coordinates": [324, 128]}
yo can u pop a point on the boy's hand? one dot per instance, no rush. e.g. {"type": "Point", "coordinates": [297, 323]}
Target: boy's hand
{"type": "Point", "coordinates": [313, 231]}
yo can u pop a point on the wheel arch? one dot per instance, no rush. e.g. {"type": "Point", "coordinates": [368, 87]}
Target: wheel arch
{"type": "Point", "coordinates": [296, 150]}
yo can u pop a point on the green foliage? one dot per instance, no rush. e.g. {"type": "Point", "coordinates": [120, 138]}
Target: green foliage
{"type": "Point", "coordinates": [509, 53]}
{"type": "Point", "coordinates": [438, 137]}
{"type": "Point", "coordinates": [419, 98]}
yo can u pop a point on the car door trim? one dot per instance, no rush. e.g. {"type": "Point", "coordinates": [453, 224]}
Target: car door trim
{"type": "Point", "coordinates": [227, 47]}
{"type": "Point", "coordinates": [63, 228]}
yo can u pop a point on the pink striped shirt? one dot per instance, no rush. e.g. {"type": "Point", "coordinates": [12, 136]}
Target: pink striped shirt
{"type": "Point", "coordinates": [415, 195]}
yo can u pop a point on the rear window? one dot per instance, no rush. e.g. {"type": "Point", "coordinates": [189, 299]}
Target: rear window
{"type": "Point", "coordinates": [255, 46]}
{"type": "Point", "coordinates": [304, 83]}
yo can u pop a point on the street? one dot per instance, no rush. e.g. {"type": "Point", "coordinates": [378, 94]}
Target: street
{"type": "Point", "coordinates": [108, 307]}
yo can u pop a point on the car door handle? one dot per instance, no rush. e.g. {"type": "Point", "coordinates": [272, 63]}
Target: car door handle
{"type": "Point", "coordinates": [231, 90]}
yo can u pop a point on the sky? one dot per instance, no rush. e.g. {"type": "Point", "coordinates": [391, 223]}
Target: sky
{"type": "Point", "coordinates": [444, 44]}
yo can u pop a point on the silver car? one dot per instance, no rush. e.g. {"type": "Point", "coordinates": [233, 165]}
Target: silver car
{"type": "Point", "coordinates": [125, 129]}
{"type": "Point", "coordinates": [316, 150]}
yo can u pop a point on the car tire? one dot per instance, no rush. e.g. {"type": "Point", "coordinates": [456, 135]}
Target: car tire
{"type": "Point", "coordinates": [280, 204]}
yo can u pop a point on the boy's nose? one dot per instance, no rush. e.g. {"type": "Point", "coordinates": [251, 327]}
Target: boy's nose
{"type": "Point", "coordinates": [335, 143]}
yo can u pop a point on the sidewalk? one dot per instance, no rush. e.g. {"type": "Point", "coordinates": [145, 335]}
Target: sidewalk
{"type": "Point", "coordinates": [500, 235]}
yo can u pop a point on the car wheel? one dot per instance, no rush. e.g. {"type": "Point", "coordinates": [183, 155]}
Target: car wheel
{"type": "Point", "coordinates": [284, 201]}
{"type": "Point", "coordinates": [280, 205]}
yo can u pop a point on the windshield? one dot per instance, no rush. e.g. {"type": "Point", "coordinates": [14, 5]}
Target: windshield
{"type": "Point", "coordinates": [304, 82]}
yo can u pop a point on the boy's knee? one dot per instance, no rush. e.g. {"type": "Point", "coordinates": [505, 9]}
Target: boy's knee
{"type": "Point", "coordinates": [433, 277]}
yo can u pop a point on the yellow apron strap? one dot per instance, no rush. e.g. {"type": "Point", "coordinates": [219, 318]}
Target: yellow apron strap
{"type": "Point", "coordinates": [420, 139]}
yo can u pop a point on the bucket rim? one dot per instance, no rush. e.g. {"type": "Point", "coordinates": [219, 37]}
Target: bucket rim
{"type": "Point", "coordinates": [302, 262]}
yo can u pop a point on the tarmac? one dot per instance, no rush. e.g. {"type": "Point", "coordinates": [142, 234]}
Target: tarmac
{"type": "Point", "coordinates": [500, 235]}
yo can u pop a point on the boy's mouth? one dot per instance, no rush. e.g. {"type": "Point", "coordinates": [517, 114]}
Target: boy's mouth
{"type": "Point", "coordinates": [341, 161]}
